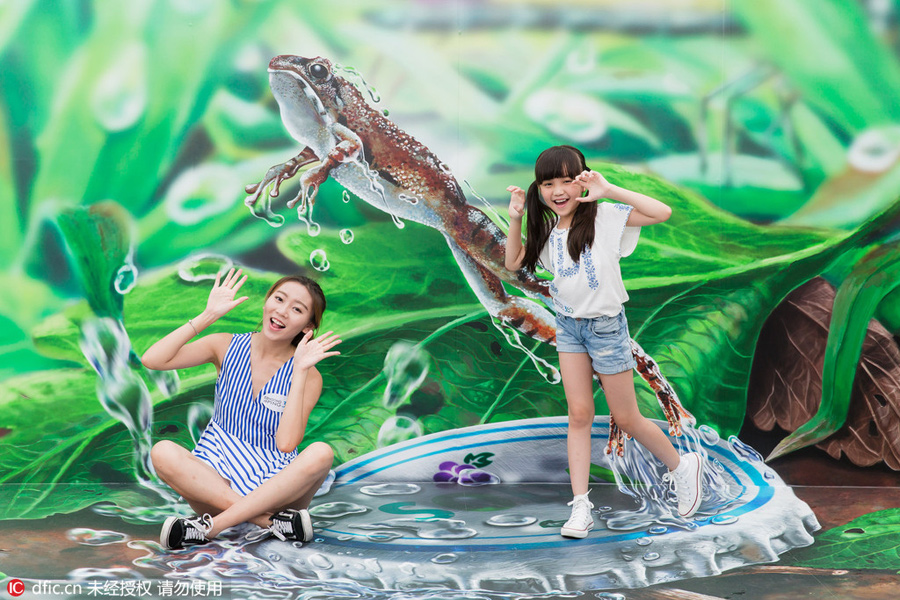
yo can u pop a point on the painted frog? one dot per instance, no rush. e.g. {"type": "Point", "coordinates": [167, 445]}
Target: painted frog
{"type": "Point", "coordinates": [371, 157]}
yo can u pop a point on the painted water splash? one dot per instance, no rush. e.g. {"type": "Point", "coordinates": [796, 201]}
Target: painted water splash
{"type": "Point", "coordinates": [405, 368]}
{"type": "Point", "coordinates": [262, 208]}
{"type": "Point", "coordinates": [638, 474]}
{"type": "Point", "coordinates": [546, 370]}
{"type": "Point", "coordinates": [124, 395]}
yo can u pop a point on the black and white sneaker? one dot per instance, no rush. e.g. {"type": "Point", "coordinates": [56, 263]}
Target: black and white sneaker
{"type": "Point", "coordinates": [292, 524]}
{"type": "Point", "coordinates": [178, 532]}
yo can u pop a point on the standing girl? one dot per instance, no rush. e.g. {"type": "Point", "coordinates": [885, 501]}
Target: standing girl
{"type": "Point", "coordinates": [580, 241]}
{"type": "Point", "coordinates": [246, 466]}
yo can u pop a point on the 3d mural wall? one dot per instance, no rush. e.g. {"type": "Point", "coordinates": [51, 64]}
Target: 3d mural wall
{"type": "Point", "coordinates": [129, 133]}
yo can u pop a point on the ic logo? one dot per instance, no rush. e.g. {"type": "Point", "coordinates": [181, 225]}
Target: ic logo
{"type": "Point", "coordinates": [15, 587]}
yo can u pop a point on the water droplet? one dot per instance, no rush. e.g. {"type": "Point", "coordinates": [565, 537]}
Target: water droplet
{"type": "Point", "coordinates": [644, 541]}
{"type": "Point", "coordinates": [320, 561]}
{"type": "Point", "coordinates": [167, 382]}
{"type": "Point", "coordinates": [273, 557]}
{"type": "Point", "coordinates": [198, 417]}
{"type": "Point", "coordinates": [651, 556]}
{"type": "Point", "coordinates": [574, 116]}
{"type": "Point", "coordinates": [323, 524]}
{"type": "Point", "coordinates": [723, 520]}
{"type": "Point", "coordinates": [204, 267]}
{"type": "Point", "coordinates": [604, 509]}
{"type": "Point", "coordinates": [408, 198]}
{"type": "Point", "coordinates": [769, 474]}
{"type": "Point", "coordinates": [334, 510]}
{"type": "Point", "coordinates": [452, 530]}
{"type": "Point", "coordinates": [386, 112]}
{"type": "Point", "coordinates": [444, 559]}
{"type": "Point", "coordinates": [384, 536]}
{"type": "Point", "coordinates": [346, 236]}
{"type": "Point", "coordinates": [405, 367]}
{"type": "Point", "coordinates": [398, 429]}
{"type": "Point", "coordinates": [319, 260]}
{"type": "Point", "coordinates": [875, 150]}
{"type": "Point", "coordinates": [345, 196]}
{"type": "Point", "coordinates": [120, 97]}
{"type": "Point", "coordinates": [345, 538]}
{"type": "Point", "coordinates": [658, 530]}
{"type": "Point", "coordinates": [390, 489]}
{"type": "Point", "coordinates": [743, 450]}
{"type": "Point", "coordinates": [92, 537]}
{"type": "Point", "coordinates": [511, 520]}
{"type": "Point", "coordinates": [709, 435]}
{"type": "Point", "coordinates": [126, 278]}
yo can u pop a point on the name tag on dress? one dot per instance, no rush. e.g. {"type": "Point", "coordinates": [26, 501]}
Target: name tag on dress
{"type": "Point", "coordinates": [275, 402]}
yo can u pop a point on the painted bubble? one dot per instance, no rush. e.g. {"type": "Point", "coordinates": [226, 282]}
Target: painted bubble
{"type": "Point", "coordinates": [319, 260]}
{"type": "Point", "coordinates": [346, 236]}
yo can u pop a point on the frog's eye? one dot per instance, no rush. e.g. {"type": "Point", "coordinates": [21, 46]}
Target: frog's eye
{"type": "Point", "coordinates": [318, 71]}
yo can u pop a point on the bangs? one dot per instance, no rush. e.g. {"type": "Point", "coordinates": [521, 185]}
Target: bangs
{"type": "Point", "coordinates": [558, 161]}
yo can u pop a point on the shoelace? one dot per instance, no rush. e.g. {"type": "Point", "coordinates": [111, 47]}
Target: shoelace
{"type": "Point", "coordinates": [581, 508]}
{"type": "Point", "coordinates": [199, 528]}
{"type": "Point", "coordinates": [279, 528]}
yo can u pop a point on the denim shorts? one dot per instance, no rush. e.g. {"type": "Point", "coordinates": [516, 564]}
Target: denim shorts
{"type": "Point", "coordinates": [605, 339]}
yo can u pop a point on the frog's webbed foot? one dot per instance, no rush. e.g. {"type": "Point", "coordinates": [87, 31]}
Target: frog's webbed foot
{"type": "Point", "coordinates": [617, 437]}
{"type": "Point", "coordinates": [676, 414]}
{"type": "Point", "coordinates": [277, 175]}
{"type": "Point", "coordinates": [344, 152]}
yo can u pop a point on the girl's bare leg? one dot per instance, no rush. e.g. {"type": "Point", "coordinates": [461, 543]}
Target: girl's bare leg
{"type": "Point", "coordinates": [293, 487]}
{"type": "Point", "coordinates": [197, 482]}
{"type": "Point", "coordinates": [622, 401]}
{"type": "Point", "coordinates": [578, 383]}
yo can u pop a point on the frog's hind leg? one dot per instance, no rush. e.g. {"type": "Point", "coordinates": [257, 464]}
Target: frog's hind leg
{"type": "Point", "coordinates": [525, 315]}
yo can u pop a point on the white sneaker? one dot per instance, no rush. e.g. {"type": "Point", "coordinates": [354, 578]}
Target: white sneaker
{"type": "Point", "coordinates": [686, 480]}
{"type": "Point", "coordinates": [581, 520]}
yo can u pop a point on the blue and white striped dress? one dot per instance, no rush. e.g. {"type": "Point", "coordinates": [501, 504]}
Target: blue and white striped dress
{"type": "Point", "coordinates": [239, 441]}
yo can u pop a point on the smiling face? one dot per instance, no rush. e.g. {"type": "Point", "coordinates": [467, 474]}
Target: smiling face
{"type": "Point", "coordinates": [288, 312]}
{"type": "Point", "coordinates": [561, 195]}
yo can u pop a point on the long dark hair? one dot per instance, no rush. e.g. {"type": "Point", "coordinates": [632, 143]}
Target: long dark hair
{"type": "Point", "coordinates": [318, 298]}
{"type": "Point", "coordinates": [558, 161]}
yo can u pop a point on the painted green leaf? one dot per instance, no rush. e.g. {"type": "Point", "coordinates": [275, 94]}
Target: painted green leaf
{"type": "Point", "coordinates": [701, 287]}
{"type": "Point", "coordinates": [858, 296]}
{"type": "Point", "coordinates": [828, 50]}
{"type": "Point", "coordinates": [99, 242]}
{"type": "Point", "coordinates": [869, 542]}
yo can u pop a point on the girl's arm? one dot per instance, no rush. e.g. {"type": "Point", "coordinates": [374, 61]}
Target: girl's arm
{"type": "Point", "coordinates": [515, 251]}
{"type": "Point", "coordinates": [647, 210]}
{"type": "Point", "coordinates": [306, 387]}
{"type": "Point", "coordinates": [174, 352]}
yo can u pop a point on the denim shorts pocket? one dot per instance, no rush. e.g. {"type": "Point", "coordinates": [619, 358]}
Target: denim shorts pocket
{"type": "Point", "coordinates": [606, 325]}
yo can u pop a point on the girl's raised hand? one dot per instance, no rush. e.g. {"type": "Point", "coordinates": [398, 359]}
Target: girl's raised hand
{"type": "Point", "coordinates": [596, 185]}
{"type": "Point", "coordinates": [222, 296]}
{"type": "Point", "coordinates": [310, 351]}
{"type": "Point", "coordinates": [516, 202]}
